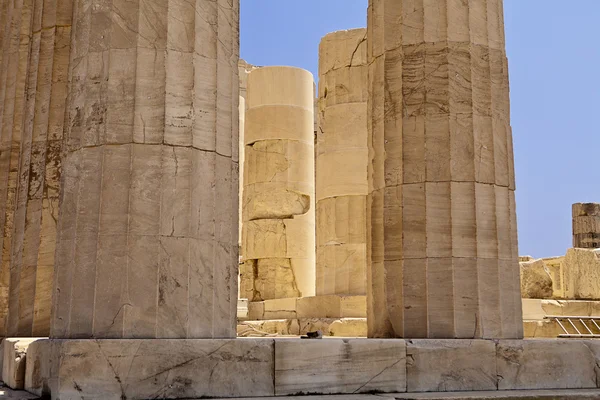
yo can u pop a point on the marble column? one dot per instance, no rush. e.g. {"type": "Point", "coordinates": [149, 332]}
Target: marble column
{"type": "Point", "coordinates": [17, 25]}
{"type": "Point", "coordinates": [278, 243]}
{"type": "Point", "coordinates": [443, 232]}
{"type": "Point", "coordinates": [586, 225]}
{"type": "Point", "coordinates": [147, 235]}
{"type": "Point", "coordinates": [36, 212]}
{"type": "Point", "coordinates": [341, 164]}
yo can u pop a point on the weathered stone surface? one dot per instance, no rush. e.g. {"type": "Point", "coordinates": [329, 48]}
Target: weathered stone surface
{"type": "Point", "coordinates": [14, 360]}
{"type": "Point", "coordinates": [270, 278]}
{"type": "Point", "coordinates": [537, 329]}
{"type": "Point", "coordinates": [145, 369]}
{"type": "Point", "coordinates": [341, 245]}
{"type": "Point", "coordinates": [536, 282]}
{"type": "Point", "coordinates": [38, 367]}
{"type": "Point", "coordinates": [450, 365]}
{"type": "Point", "coordinates": [444, 260]}
{"type": "Point", "coordinates": [339, 366]}
{"type": "Point", "coordinates": [278, 202]}
{"type": "Point", "coordinates": [554, 266]}
{"type": "Point", "coordinates": [581, 274]}
{"type": "Point", "coordinates": [333, 306]}
{"type": "Point", "coordinates": [545, 364]}
{"type": "Point", "coordinates": [147, 239]}
{"type": "Point", "coordinates": [586, 225]}
{"type": "Point", "coordinates": [342, 157]}
{"type": "Point", "coordinates": [37, 192]}
{"type": "Point", "coordinates": [17, 26]}
{"type": "Point", "coordinates": [336, 327]}
{"type": "Point", "coordinates": [348, 327]}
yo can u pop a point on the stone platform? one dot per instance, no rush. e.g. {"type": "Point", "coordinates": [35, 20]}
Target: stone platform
{"type": "Point", "coordinates": [192, 369]}
{"type": "Point", "coordinates": [497, 395]}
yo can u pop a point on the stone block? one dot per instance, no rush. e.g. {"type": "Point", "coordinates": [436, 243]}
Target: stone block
{"type": "Point", "coordinates": [14, 359]}
{"type": "Point", "coordinates": [276, 327]}
{"type": "Point", "coordinates": [554, 266]}
{"type": "Point", "coordinates": [541, 329]}
{"type": "Point", "coordinates": [450, 365]}
{"type": "Point", "coordinates": [571, 308]}
{"type": "Point", "coordinates": [143, 369]}
{"type": "Point", "coordinates": [38, 367]}
{"type": "Point", "coordinates": [273, 309]}
{"type": "Point", "coordinates": [242, 309]}
{"type": "Point", "coordinates": [536, 282]}
{"type": "Point", "coordinates": [581, 274]}
{"type": "Point", "coordinates": [339, 366]}
{"type": "Point", "coordinates": [545, 364]}
{"type": "Point", "coordinates": [348, 327]}
{"type": "Point", "coordinates": [532, 309]}
{"type": "Point", "coordinates": [332, 307]}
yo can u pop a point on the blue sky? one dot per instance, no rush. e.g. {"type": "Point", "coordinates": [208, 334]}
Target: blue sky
{"type": "Point", "coordinates": [554, 53]}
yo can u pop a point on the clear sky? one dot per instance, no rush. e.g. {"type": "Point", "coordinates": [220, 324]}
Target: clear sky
{"type": "Point", "coordinates": [554, 54]}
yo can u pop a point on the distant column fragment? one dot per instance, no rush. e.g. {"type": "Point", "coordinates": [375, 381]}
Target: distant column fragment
{"type": "Point", "coordinates": [443, 225]}
{"type": "Point", "coordinates": [586, 225]}
{"type": "Point", "coordinates": [147, 236]}
{"type": "Point", "coordinates": [342, 158]}
{"type": "Point", "coordinates": [278, 235]}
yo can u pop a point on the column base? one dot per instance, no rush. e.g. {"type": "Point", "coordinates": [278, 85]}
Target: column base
{"type": "Point", "coordinates": [195, 369]}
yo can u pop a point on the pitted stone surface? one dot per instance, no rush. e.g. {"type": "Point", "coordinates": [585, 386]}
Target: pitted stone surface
{"type": "Point", "coordinates": [443, 228]}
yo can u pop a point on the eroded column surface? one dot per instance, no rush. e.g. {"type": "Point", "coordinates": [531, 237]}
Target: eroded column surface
{"type": "Point", "coordinates": [586, 225]}
{"type": "Point", "coordinates": [443, 226]}
{"type": "Point", "coordinates": [36, 213]}
{"type": "Point", "coordinates": [278, 243]}
{"type": "Point", "coordinates": [147, 236]}
{"type": "Point", "coordinates": [341, 170]}
{"type": "Point", "coordinates": [17, 25]}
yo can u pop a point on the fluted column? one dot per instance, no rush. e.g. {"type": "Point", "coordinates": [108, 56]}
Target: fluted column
{"type": "Point", "coordinates": [443, 223]}
{"type": "Point", "coordinates": [17, 24]}
{"type": "Point", "coordinates": [341, 170]}
{"type": "Point", "coordinates": [278, 236]}
{"type": "Point", "coordinates": [147, 237]}
{"type": "Point", "coordinates": [586, 225]}
{"type": "Point", "coordinates": [36, 213]}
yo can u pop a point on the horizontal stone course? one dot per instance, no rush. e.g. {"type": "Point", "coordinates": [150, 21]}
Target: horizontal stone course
{"type": "Point", "coordinates": [143, 369]}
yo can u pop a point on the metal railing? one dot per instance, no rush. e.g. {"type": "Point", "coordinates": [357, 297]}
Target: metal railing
{"type": "Point", "coordinates": [577, 327]}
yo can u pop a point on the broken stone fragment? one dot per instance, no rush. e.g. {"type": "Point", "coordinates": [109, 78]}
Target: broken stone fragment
{"type": "Point", "coordinates": [536, 282]}
{"type": "Point", "coordinates": [277, 204]}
